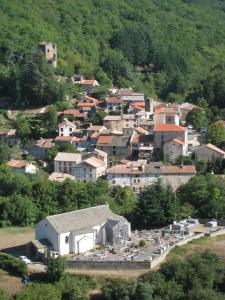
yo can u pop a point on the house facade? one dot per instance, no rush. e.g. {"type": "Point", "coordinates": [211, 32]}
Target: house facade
{"type": "Point", "coordinates": [66, 128]}
{"type": "Point", "coordinates": [165, 132]}
{"type": "Point", "coordinates": [177, 175]}
{"type": "Point", "coordinates": [80, 231]}
{"type": "Point", "coordinates": [208, 152]}
{"type": "Point", "coordinates": [134, 174]}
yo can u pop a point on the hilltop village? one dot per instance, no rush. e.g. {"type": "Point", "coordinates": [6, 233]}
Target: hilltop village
{"type": "Point", "coordinates": [125, 137]}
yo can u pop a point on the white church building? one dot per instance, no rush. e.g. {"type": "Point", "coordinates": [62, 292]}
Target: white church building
{"type": "Point", "coordinates": [79, 231]}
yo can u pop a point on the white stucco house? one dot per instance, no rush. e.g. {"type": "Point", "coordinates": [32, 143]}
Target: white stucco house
{"type": "Point", "coordinates": [22, 166]}
{"type": "Point", "coordinates": [79, 231]}
{"type": "Point", "coordinates": [66, 128]}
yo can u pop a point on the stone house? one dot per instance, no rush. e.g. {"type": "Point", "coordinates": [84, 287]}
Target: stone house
{"type": "Point", "coordinates": [22, 166]}
{"type": "Point", "coordinates": [120, 122]}
{"type": "Point", "coordinates": [173, 149]}
{"type": "Point", "coordinates": [88, 84]}
{"type": "Point", "coordinates": [208, 152]}
{"type": "Point", "coordinates": [41, 147]}
{"type": "Point", "coordinates": [80, 231]}
{"type": "Point", "coordinates": [165, 132]}
{"type": "Point", "coordinates": [177, 175]}
{"type": "Point", "coordinates": [50, 52]}
{"type": "Point", "coordinates": [134, 174]}
{"type": "Point", "coordinates": [116, 146]}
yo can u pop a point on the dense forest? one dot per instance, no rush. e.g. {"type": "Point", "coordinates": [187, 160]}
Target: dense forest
{"type": "Point", "coordinates": [171, 49]}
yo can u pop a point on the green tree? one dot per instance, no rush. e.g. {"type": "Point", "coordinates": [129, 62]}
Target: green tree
{"type": "Point", "coordinates": [39, 291]}
{"type": "Point", "coordinates": [216, 134]}
{"type": "Point", "coordinates": [51, 118]}
{"type": "Point", "coordinates": [157, 206]}
{"type": "Point", "coordinates": [20, 210]}
{"type": "Point", "coordinates": [23, 128]}
{"type": "Point", "coordinates": [56, 268]}
{"type": "Point", "coordinates": [4, 295]}
{"type": "Point", "coordinates": [197, 117]}
{"type": "Point", "coordinates": [4, 152]}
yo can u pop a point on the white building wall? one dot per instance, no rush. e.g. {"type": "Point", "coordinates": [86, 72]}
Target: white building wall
{"type": "Point", "coordinates": [64, 247]}
{"type": "Point", "coordinates": [30, 168]}
{"type": "Point", "coordinates": [87, 241]}
{"type": "Point", "coordinates": [44, 230]}
{"type": "Point", "coordinates": [66, 130]}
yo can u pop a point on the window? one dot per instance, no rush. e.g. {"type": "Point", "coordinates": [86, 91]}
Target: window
{"type": "Point", "coordinates": [114, 152]}
{"type": "Point", "coordinates": [84, 169]}
{"type": "Point", "coordinates": [113, 181]}
{"type": "Point", "coordinates": [139, 181]}
{"type": "Point", "coordinates": [70, 129]}
{"type": "Point", "coordinates": [66, 239]}
{"type": "Point", "coordinates": [46, 224]}
{"type": "Point", "coordinates": [90, 175]}
{"type": "Point", "coordinates": [61, 129]}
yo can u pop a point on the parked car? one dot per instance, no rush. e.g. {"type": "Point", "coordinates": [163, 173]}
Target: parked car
{"type": "Point", "coordinates": [25, 259]}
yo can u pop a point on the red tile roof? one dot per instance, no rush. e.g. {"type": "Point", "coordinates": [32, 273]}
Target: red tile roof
{"type": "Point", "coordinates": [17, 164]}
{"type": "Point", "coordinates": [91, 99]}
{"type": "Point", "coordinates": [64, 138]}
{"type": "Point", "coordinates": [45, 143]}
{"type": "Point", "coordinates": [73, 112]}
{"type": "Point", "coordinates": [168, 128]}
{"type": "Point", "coordinates": [113, 100]}
{"type": "Point", "coordinates": [189, 169]}
{"type": "Point", "coordinates": [88, 81]}
{"type": "Point", "coordinates": [85, 104]}
{"type": "Point", "coordinates": [104, 139]}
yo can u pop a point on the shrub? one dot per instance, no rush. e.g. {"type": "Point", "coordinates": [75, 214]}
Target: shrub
{"type": "Point", "coordinates": [12, 264]}
{"type": "Point", "coordinates": [142, 243]}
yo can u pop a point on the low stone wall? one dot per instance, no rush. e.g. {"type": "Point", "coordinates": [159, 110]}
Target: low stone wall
{"type": "Point", "coordinates": [159, 259]}
{"type": "Point", "coordinates": [215, 233]}
{"type": "Point", "coordinates": [109, 265]}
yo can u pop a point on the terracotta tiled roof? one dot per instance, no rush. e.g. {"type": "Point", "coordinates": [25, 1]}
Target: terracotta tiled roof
{"type": "Point", "coordinates": [104, 139]}
{"type": "Point", "coordinates": [189, 169]}
{"type": "Point", "coordinates": [88, 81]}
{"type": "Point", "coordinates": [113, 100]}
{"type": "Point", "coordinates": [64, 139]}
{"type": "Point", "coordinates": [95, 162]}
{"type": "Point", "coordinates": [17, 164]}
{"type": "Point", "coordinates": [45, 143]}
{"type": "Point", "coordinates": [178, 141]}
{"type": "Point", "coordinates": [91, 99]}
{"type": "Point", "coordinates": [138, 103]}
{"type": "Point", "coordinates": [85, 104]}
{"type": "Point", "coordinates": [73, 112]}
{"type": "Point", "coordinates": [168, 128]}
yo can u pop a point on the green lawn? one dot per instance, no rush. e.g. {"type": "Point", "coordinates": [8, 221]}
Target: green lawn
{"type": "Point", "coordinates": [14, 230]}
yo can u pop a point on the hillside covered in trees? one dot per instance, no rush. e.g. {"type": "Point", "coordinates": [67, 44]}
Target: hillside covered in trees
{"type": "Point", "coordinates": [178, 43]}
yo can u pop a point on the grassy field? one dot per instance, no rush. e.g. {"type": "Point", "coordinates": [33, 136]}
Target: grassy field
{"type": "Point", "coordinates": [15, 237]}
{"type": "Point", "coordinates": [216, 244]}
